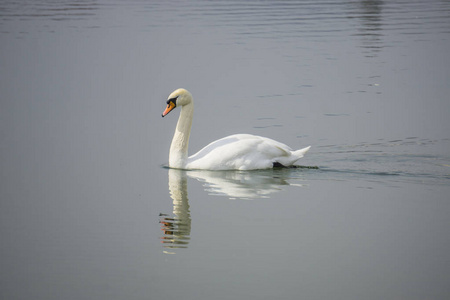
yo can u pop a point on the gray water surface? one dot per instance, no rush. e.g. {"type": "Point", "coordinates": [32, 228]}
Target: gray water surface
{"type": "Point", "coordinates": [88, 210]}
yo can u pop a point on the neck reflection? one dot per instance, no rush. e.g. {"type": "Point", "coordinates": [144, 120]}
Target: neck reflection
{"type": "Point", "coordinates": [177, 228]}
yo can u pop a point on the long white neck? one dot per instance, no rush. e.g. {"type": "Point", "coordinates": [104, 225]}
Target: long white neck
{"type": "Point", "coordinates": [180, 142]}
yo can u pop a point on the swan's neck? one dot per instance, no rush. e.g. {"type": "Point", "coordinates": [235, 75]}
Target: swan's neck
{"type": "Point", "coordinates": [180, 142]}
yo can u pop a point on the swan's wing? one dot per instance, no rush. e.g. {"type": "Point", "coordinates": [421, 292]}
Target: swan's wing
{"type": "Point", "coordinates": [239, 151]}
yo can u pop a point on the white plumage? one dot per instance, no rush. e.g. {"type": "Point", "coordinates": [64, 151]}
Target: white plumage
{"type": "Point", "coordinates": [234, 152]}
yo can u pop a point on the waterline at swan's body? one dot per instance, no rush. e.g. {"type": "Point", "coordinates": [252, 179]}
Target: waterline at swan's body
{"type": "Point", "coordinates": [234, 152]}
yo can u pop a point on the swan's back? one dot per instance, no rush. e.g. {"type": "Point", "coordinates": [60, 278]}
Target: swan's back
{"type": "Point", "coordinates": [244, 152]}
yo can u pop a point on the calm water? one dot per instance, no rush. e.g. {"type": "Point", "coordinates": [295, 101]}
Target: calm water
{"type": "Point", "coordinates": [88, 210]}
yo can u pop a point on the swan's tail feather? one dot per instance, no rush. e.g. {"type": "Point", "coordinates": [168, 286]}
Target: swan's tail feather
{"type": "Point", "coordinates": [288, 161]}
{"type": "Point", "coordinates": [299, 153]}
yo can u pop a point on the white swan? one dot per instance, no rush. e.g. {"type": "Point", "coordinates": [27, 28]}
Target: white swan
{"type": "Point", "coordinates": [234, 152]}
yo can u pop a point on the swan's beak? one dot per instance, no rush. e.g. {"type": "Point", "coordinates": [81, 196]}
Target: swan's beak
{"type": "Point", "coordinates": [169, 108]}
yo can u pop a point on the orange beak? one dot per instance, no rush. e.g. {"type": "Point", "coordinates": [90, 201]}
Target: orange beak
{"type": "Point", "coordinates": [169, 108]}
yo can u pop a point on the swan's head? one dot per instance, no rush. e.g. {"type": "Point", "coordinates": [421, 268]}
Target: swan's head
{"type": "Point", "coordinates": [179, 97]}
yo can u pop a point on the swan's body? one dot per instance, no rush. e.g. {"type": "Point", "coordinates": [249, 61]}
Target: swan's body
{"type": "Point", "coordinates": [234, 152]}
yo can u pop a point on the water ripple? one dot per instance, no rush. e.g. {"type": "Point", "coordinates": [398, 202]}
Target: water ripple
{"type": "Point", "coordinates": [407, 159]}
{"type": "Point", "coordinates": [371, 22]}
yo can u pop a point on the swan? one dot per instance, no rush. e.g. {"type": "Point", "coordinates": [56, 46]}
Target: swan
{"type": "Point", "coordinates": [234, 152]}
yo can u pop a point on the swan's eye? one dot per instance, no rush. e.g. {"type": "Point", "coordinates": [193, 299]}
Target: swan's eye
{"type": "Point", "coordinates": [173, 100]}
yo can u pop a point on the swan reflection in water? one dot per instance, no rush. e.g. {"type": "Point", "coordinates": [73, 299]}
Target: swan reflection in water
{"type": "Point", "coordinates": [245, 184]}
{"type": "Point", "coordinates": [232, 184]}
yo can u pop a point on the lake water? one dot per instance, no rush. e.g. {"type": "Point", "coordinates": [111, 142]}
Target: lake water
{"type": "Point", "coordinates": [88, 210]}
